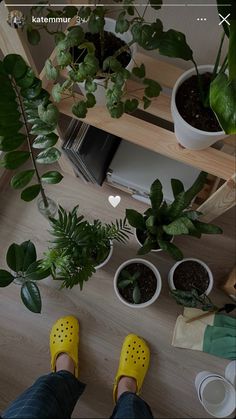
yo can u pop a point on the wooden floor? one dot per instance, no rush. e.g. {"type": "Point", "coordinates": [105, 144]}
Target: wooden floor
{"type": "Point", "coordinates": [24, 353]}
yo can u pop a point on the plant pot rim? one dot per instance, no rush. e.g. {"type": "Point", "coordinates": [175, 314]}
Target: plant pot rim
{"type": "Point", "coordinates": [172, 270]}
{"type": "Point", "coordinates": [100, 265]}
{"type": "Point", "coordinates": [154, 270]}
{"type": "Point", "coordinates": [174, 108]}
{"type": "Point", "coordinates": [153, 250]}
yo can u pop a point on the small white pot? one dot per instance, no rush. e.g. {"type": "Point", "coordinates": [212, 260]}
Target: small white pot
{"type": "Point", "coordinates": [171, 274]}
{"type": "Point", "coordinates": [100, 93]}
{"type": "Point", "coordinates": [154, 270]}
{"type": "Point", "coordinates": [153, 250]}
{"type": "Point", "coordinates": [107, 258]}
{"type": "Point", "coordinates": [187, 135]}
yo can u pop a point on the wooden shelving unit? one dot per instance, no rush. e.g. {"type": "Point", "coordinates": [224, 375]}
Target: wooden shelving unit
{"type": "Point", "coordinates": [147, 129]}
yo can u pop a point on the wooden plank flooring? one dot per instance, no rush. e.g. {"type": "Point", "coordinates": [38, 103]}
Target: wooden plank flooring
{"type": "Point", "coordinates": [24, 353]}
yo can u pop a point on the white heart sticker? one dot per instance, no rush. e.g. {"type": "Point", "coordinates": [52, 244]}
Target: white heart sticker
{"type": "Point", "coordinates": [114, 200]}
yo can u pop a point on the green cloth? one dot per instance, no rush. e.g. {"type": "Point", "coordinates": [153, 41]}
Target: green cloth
{"type": "Point", "coordinates": [220, 338]}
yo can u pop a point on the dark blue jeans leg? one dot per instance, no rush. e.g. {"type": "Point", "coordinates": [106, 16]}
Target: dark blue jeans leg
{"type": "Point", "coordinates": [52, 396]}
{"type": "Point", "coordinates": [131, 406]}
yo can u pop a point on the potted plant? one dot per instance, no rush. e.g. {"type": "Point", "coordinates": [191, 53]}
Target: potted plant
{"type": "Point", "coordinates": [191, 273]}
{"type": "Point", "coordinates": [25, 270]}
{"type": "Point", "coordinates": [79, 248]}
{"type": "Point", "coordinates": [203, 102]}
{"type": "Point", "coordinates": [98, 54]}
{"type": "Point", "coordinates": [161, 222]}
{"type": "Point", "coordinates": [137, 283]}
{"type": "Point", "coordinates": [28, 119]}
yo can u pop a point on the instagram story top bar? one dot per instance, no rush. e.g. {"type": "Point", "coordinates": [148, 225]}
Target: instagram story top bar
{"type": "Point", "coordinates": [136, 4]}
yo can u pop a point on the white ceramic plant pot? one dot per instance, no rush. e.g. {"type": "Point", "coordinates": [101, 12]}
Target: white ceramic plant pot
{"type": "Point", "coordinates": [154, 270]}
{"type": "Point", "coordinates": [153, 250]}
{"type": "Point", "coordinates": [187, 135]}
{"type": "Point", "coordinates": [107, 258]}
{"type": "Point", "coordinates": [100, 93]}
{"type": "Point", "coordinates": [171, 274]}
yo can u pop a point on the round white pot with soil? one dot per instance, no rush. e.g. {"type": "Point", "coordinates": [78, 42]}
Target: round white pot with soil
{"type": "Point", "coordinates": [102, 263]}
{"type": "Point", "coordinates": [137, 283]}
{"type": "Point", "coordinates": [207, 130]}
{"type": "Point", "coordinates": [140, 240]}
{"type": "Point", "coordinates": [100, 93]}
{"type": "Point", "coordinates": [190, 273]}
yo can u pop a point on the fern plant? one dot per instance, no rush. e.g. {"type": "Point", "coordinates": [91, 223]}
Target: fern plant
{"type": "Point", "coordinates": [78, 247]}
{"type": "Point", "coordinates": [162, 221]}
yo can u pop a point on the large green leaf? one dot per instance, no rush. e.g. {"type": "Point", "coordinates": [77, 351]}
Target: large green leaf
{"type": "Point", "coordinates": [80, 109]}
{"type": "Point", "coordinates": [135, 219]}
{"type": "Point", "coordinates": [15, 65]}
{"type": "Point", "coordinates": [5, 278]}
{"type": "Point", "coordinates": [156, 194]}
{"type": "Point", "coordinates": [20, 180]}
{"type": "Point", "coordinates": [173, 44]}
{"type": "Point", "coordinates": [27, 80]}
{"type": "Point", "coordinates": [33, 35]}
{"type": "Point", "coordinates": [41, 128]}
{"type": "Point", "coordinates": [30, 255]}
{"type": "Point", "coordinates": [223, 102]}
{"type": "Point", "coordinates": [207, 228]}
{"type": "Point", "coordinates": [172, 249]}
{"type": "Point", "coordinates": [177, 227]}
{"type": "Point", "coordinates": [136, 294]}
{"type": "Point", "coordinates": [30, 193]}
{"type": "Point", "coordinates": [51, 155]}
{"type": "Point", "coordinates": [12, 142]}
{"type": "Point", "coordinates": [231, 53]}
{"type": "Point", "coordinates": [177, 187]}
{"type": "Point", "coordinates": [7, 130]}
{"type": "Point", "coordinates": [30, 296]}
{"type": "Point", "coordinates": [52, 177]}
{"type": "Point", "coordinates": [48, 114]}
{"type": "Point", "coordinates": [153, 88]}
{"type": "Point", "coordinates": [45, 141]}
{"type": "Point", "coordinates": [36, 273]}
{"type": "Point", "coordinates": [33, 91]}
{"type": "Point", "coordinates": [15, 256]}
{"type": "Point", "coordinates": [14, 159]}
{"type": "Point", "coordinates": [51, 71]}
{"type": "Point", "coordinates": [147, 35]}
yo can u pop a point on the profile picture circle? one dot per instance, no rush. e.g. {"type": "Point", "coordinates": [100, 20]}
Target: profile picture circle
{"type": "Point", "coordinates": [16, 19]}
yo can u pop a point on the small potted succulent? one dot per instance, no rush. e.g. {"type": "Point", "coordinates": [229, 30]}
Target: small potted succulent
{"type": "Point", "coordinates": [203, 100]}
{"type": "Point", "coordinates": [156, 228]}
{"type": "Point", "coordinates": [25, 271]}
{"type": "Point", "coordinates": [80, 248]}
{"type": "Point", "coordinates": [191, 273]}
{"type": "Point", "coordinates": [137, 283]}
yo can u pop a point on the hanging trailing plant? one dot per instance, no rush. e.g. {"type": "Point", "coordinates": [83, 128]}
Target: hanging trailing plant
{"type": "Point", "coordinates": [27, 121]}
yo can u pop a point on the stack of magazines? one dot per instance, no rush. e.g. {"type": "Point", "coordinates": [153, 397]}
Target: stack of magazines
{"type": "Point", "coordinates": [90, 149]}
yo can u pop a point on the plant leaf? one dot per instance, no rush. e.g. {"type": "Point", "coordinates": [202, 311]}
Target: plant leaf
{"type": "Point", "coordinates": [6, 278]}
{"type": "Point", "coordinates": [173, 44]}
{"type": "Point", "coordinates": [223, 102]}
{"type": "Point", "coordinates": [12, 142]}
{"type": "Point", "coordinates": [136, 294]}
{"type": "Point", "coordinates": [51, 72]}
{"type": "Point", "coordinates": [153, 88]}
{"type": "Point", "coordinates": [30, 193]}
{"type": "Point", "coordinates": [30, 296]}
{"type": "Point", "coordinates": [33, 35]}
{"type": "Point", "coordinates": [207, 228]}
{"type": "Point", "coordinates": [135, 219]}
{"type": "Point", "coordinates": [48, 114]}
{"type": "Point", "coordinates": [15, 65]}
{"type": "Point", "coordinates": [36, 273]}
{"type": "Point", "coordinates": [30, 255]}
{"type": "Point", "coordinates": [14, 159]}
{"type": "Point", "coordinates": [172, 249]}
{"type": "Point", "coordinates": [45, 141]}
{"type": "Point", "coordinates": [156, 194]}
{"type": "Point", "coordinates": [20, 180]}
{"type": "Point", "coordinates": [124, 283]}
{"type": "Point", "coordinates": [139, 71]}
{"type": "Point", "coordinates": [131, 105]}
{"type": "Point", "coordinates": [80, 109]}
{"type": "Point", "coordinates": [15, 256]}
{"type": "Point", "coordinates": [51, 155]}
{"type": "Point", "coordinates": [177, 187]}
{"type": "Point", "coordinates": [52, 177]}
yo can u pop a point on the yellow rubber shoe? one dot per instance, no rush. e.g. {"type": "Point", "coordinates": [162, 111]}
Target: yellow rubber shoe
{"type": "Point", "coordinates": [134, 362]}
{"type": "Point", "coordinates": [64, 337]}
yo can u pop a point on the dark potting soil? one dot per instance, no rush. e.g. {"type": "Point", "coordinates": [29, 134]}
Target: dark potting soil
{"type": "Point", "coordinates": [190, 107]}
{"type": "Point", "coordinates": [142, 235]}
{"type": "Point", "coordinates": [99, 257]}
{"type": "Point", "coordinates": [147, 283]}
{"type": "Point", "coordinates": [189, 275]}
{"type": "Point", "coordinates": [111, 45]}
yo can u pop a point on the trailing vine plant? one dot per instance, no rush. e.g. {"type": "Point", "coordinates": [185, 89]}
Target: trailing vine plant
{"type": "Point", "coordinates": [27, 121]}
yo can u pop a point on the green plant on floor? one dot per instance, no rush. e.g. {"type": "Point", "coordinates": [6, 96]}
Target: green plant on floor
{"type": "Point", "coordinates": [126, 279]}
{"type": "Point", "coordinates": [221, 94]}
{"type": "Point", "coordinates": [25, 270]}
{"type": "Point", "coordinates": [27, 121]}
{"type": "Point", "coordinates": [161, 222]}
{"type": "Point", "coordinates": [88, 56]}
{"type": "Point", "coordinates": [78, 247]}
{"type": "Point", "coordinates": [202, 302]}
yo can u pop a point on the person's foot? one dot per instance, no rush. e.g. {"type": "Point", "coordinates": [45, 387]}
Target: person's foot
{"type": "Point", "coordinates": [126, 384]}
{"type": "Point", "coordinates": [65, 363]}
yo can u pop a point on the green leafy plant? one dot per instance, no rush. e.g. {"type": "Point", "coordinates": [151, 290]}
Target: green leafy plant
{"type": "Point", "coordinates": [78, 247]}
{"type": "Point", "coordinates": [25, 270]}
{"type": "Point", "coordinates": [27, 121]}
{"type": "Point", "coordinates": [221, 94]}
{"type": "Point", "coordinates": [92, 65]}
{"type": "Point", "coordinates": [127, 280]}
{"type": "Point", "coordinates": [203, 302]}
{"type": "Point", "coordinates": [162, 221]}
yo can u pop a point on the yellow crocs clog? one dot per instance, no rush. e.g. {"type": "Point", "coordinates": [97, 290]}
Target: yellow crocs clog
{"type": "Point", "coordinates": [64, 337]}
{"type": "Point", "coordinates": [134, 362]}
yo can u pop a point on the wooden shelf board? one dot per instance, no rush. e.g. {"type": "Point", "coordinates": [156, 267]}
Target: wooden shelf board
{"type": "Point", "coordinates": [156, 139]}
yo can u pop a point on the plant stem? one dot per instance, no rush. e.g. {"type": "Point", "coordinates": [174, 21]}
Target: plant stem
{"type": "Point", "coordinates": [218, 57]}
{"type": "Point", "coordinates": [102, 43]}
{"type": "Point", "coordinates": [123, 49]}
{"type": "Point", "coordinates": [201, 90]}
{"type": "Point", "coordinates": [27, 132]}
